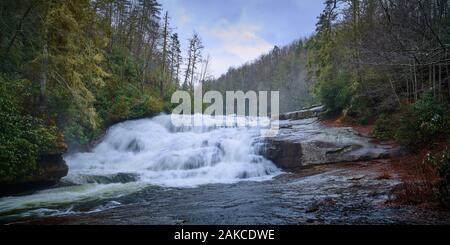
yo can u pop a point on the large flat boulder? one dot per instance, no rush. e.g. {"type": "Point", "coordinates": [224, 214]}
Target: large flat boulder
{"type": "Point", "coordinates": [308, 142]}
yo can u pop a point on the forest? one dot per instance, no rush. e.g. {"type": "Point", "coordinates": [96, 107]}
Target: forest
{"type": "Point", "coordinates": [87, 135]}
{"type": "Point", "coordinates": [385, 60]}
{"type": "Point", "coordinates": [70, 69]}
{"type": "Point", "coordinates": [283, 70]}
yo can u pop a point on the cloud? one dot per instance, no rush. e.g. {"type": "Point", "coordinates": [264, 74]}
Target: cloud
{"type": "Point", "coordinates": [228, 32]}
{"type": "Point", "coordinates": [235, 32]}
{"type": "Point", "coordinates": [235, 44]}
{"type": "Point", "coordinates": [184, 18]}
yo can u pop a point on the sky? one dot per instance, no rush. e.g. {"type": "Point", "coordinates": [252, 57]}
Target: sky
{"type": "Point", "coordinates": [238, 31]}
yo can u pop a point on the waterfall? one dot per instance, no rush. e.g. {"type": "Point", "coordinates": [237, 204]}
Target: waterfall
{"type": "Point", "coordinates": [143, 153]}
{"type": "Point", "coordinates": [159, 153]}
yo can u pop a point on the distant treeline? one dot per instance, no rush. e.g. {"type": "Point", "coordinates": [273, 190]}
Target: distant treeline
{"type": "Point", "coordinates": [283, 70]}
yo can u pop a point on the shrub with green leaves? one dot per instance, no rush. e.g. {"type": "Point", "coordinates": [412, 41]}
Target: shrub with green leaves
{"type": "Point", "coordinates": [335, 94]}
{"type": "Point", "coordinates": [442, 166]}
{"type": "Point", "coordinates": [422, 122]}
{"type": "Point", "coordinates": [22, 138]}
{"type": "Point", "coordinates": [384, 128]}
{"type": "Point", "coordinates": [76, 135]}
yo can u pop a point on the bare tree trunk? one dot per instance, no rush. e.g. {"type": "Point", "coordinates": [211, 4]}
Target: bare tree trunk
{"type": "Point", "coordinates": [18, 29]}
{"type": "Point", "coordinates": [407, 87]}
{"type": "Point", "coordinates": [440, 83]}
{"type": "Point", "coordinates": [205, 69]}
{"type": "Point", "coordinates": [110, 14]}
{"type": "Point", "coordinates": [394, 92]}
{"type": "Point", "coordinates": [43, 80]}
{"type": "Point", "coordinates": [194, 61]}
{"type": "Point", "coordinates": [164, 54]}
{"type": "Point", "coordinates": [188, 70]}
{"type": "Point", "coordinates": [165, 38]}
{"type": "Point", "coordinates": [448, 77]}
{"type": "Point", "coordinates": [410, 87]}
{"type": "Point", "coordinates": [430, 79]}
{"type": "Point", "coordinates": [415, 82]}
{"type": "Point", "coordinates": [434, 81]}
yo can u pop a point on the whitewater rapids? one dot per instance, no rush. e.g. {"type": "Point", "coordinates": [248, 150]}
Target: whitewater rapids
{"type": "Point", "coordinates": [160, 153]}
{"type": "Point", "coordinates": [152, 152]}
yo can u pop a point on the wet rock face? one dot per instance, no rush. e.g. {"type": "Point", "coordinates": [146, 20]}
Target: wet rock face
{"type": "Point", "coordinates": [307, 142]}
{"type": "Point", "coordinates": [111, 179]}
{"type": "Point", "coordinates": [303, 114]}
{"type": "Point", "coordinates": [284, 154]}
{"type": "Point", "coordinates": [51, 168]}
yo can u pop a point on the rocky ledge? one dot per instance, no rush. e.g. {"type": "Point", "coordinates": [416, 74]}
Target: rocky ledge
{"type": "Point", "coordinates": [314, 111]}
{"type": "Point", "coordinates": [51, 168]}
{"type": "Point", "coordinates": [304, 141]}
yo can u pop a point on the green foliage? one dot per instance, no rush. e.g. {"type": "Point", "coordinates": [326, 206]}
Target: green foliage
{"type": "Point", "coordinates": [75, 61]}
{"type": "Point", "coordinates": [360, 70]}
{"type": "Point", "coordinates": [385, 128]}
{"type": "Point", "coordinates": [442, 166]}
{"type": "Point", "coordinates": [95, 68]}
{"type": "Point", "coordinates": [77, 135]}
{"type": "Point", "coordinates": [17, 159]}
{"type": "Point", "coordinates": [340, 85]}
{"type": "Point", "coordinates": [335, 94]}
{"type": "Point", "coordinates": [22, 137]}
{"type": "Point", "coordinates": [70, 69]}
{"type": "Point", "coordinates": [423, 122]}
{"type": "Point", "coordinates": [124, 95]}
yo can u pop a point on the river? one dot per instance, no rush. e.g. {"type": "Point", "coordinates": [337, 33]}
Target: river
{"type": "Point", "coordinates": [150, 172]}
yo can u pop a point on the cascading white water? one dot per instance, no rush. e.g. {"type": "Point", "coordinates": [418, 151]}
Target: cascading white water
{"type": "Point", "coordinates": [162, 154]}
{"type": "Point", "coordinates": [136, 154]}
